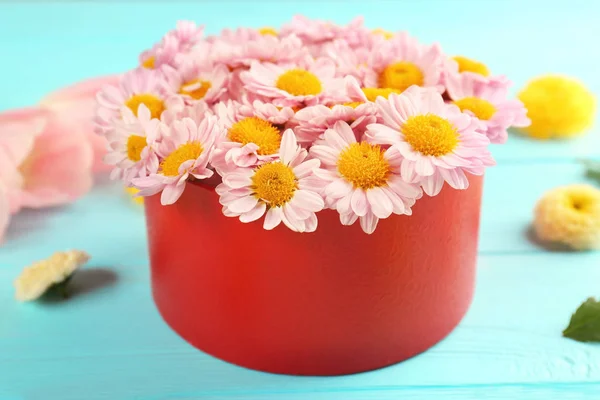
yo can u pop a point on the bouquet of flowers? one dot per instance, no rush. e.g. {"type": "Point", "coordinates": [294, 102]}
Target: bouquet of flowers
{"type": "Point", "coordinates": [285, 123]}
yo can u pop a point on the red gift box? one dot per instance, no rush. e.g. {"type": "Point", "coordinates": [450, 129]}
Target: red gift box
{"type": "Point", "coordinates": [335, 301]}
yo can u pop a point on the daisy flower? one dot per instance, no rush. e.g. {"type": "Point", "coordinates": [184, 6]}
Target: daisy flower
{"type": "Point", "coordinates": [437, 141]}
{"type": "Point", "coordinates": [185, 150]}
{"type": "Point", "coordinates": [363, 179]}
{"type": "Point", "coordinates": [351, 62]}
{"type": "Point", "coordinates": [253, 136]}
{"type": "Point", "coordinates": [195, 81]}
{"type": "Point", "coordinates": [36, 279]}
{"type": "Point", "coordinates": [173, 46]}
{"type": "Point", "coordinates": [162, 53]}
{"type": "Point", "coordinates": [311, 82]}
{"type": "Point", "coordinates": [140, 86]}
{"type": "Point", "coordinates": [131, 145]}
{"type": "Point", "coordinates": [358, 111]}
{"type": "Point", "coordinates": [487, 101]}
{"type": "Point", "coordinates": [402, 61]}
{"type": "Point", "coordinates": [280, 189]}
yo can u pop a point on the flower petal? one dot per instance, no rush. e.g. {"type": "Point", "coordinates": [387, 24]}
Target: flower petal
{"type": "Point", "coordinates": [359, 202]}
{"type": "Point", "coordinates": [254, 214]}
{"type": "Point", "coordinates": [243, 204]}
{"type": "Point", "coordinates": [171, 194]}
{"type": "Point", "coordinates": [308, 200]}
{"type": "Point", "coordinates": [381, 205]}
{"type": "Point", "coordinates": [273, 218]}
{"type": "Point", "coordinates": [368, 223]}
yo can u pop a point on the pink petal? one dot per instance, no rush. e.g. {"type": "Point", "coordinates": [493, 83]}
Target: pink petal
{"type": "Point", "coordinates": [253, 214]}
{"type": "Point", "coordinates": [326, 154]}
{"type": "Point", "coordinates": [345, 132]}
{"type": "Point", "coordinates": [171, 193]}
{"type": "Point", "coordinates": [311, 223]}
{"type": "Point", "coordinates": [348, 219]}
{"type": "Point", "coordinates": [338, 189]}
{"type": "Point", "coordinates": [4, 211]}
{"type": "Point", "coordinates": [82, 90]}
{"type": "Point", "coordinates": [58, 169]}
{"type": "Point", "coordinates": [292, 220]}
{"type": "Point", "coordinates": [306, 168]}
{"type": "Point", "coordinates": [455, 178]}
{"type": "Point", "coordinates": [19, 129]}
{"type": "Point", "coordinates": [368, 223]}
{"type": "Point", "coordinates": [243, 204]}
{"type": "Point", "coordinates": [359, 202]}
{"type": "Point", "coordinates": [308, 200]}
{"type": "Point", "coordinates": [432, 185]}
{"type": "Point", "coordinates": [288, 147]}
{"type": "Point", "coordinates": [237, 180]}
{"type": "Point", "coordinates": [424, 166]}
{"type": "Point", "coordinates": [273, 218]}
{"type": "Point", "coordinates": [381, 205]}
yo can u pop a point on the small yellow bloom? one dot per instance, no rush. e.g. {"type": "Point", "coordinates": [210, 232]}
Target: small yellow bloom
{"type": "Point", "coordinates": [557, 106]}
{"type": "Point", "coordinates": [132, 192]}
{"type": "Point", "coordinates": [36, 279]}
{"type": "Point", "coordinates": [570, 215]}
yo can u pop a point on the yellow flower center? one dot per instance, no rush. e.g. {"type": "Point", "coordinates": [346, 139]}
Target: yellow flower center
{"type": "Point", "coordinates": [364, 165]}
{"type": "Point", "coordinates": [135, 145]}
{"type": "Point", "coordinates": [149, 62]}
{"type": "Point", "coordinates": [154, 104]}
{"type": "Point", "coordinates": [401, 76]}
{"type": "Point", "coordinates": [373, 93]}
{"type": "Point", "coordinates": [274, 183]}
{"type": "Point", "coordinates": [258, 131]}
{"type": "Point", "coordinates": [482, 109]}
{"type": "Point", "coordinates": [467, 65]}
{"type": "Point", "coordinates": [192, 89]}
{"type": "Point", "coordinates": [299, 82]}
{"type": "Point", "coordinates": [430, 135]}
{"type": "Point", "coordinates": [267, 30]}
{"type": "Point", "coordinates": [189, 151]}
{"type": "Point", "coordinates": [383, 32]}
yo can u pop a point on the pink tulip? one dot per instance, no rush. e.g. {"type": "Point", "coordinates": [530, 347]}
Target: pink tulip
{"type": "Point", "coordinates": [77, 103]}
{"type": "Point", "coordinates": [44, 161]}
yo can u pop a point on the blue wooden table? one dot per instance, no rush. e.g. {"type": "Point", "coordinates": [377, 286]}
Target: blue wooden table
{"type": "Point", "coordinates": [108, 341]}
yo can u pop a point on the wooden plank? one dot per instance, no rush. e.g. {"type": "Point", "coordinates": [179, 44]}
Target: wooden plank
{"type": "Point", "coordinates": [512, 334]}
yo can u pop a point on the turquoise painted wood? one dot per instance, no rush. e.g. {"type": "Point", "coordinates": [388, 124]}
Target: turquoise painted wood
{"type": "Point", "coordinates": [108, 341]}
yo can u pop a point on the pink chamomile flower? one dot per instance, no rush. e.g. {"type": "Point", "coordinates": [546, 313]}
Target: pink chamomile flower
{"type": "Point", "coordinates": [162, 53]}
{"type": "Point", "coordinates": [131, 146]}
{"type": "Point", "coordinates": [267, 48]}
{"type": "Point", "coordinates": [364, 179]}
{"type": "Point", "coordinates": [357, 111]}
{"type": "Point", "coordinates": [351, 62]}
{"type": "Point", "coordinates": [185, 150]}
{"type": "Point", "coordinates": [487, 101]}
{"type": "Point", "coordinates": [281, 189]}
{"type": "Point", "coordinates": [402, 61]}
{"type": "Point", "coordinates": [194, 81]}
{"type": "Point", "coordinates": [253, 134]}
{"type": "Point", "coordinates": [436, 140]}
{"type": "Point", "coordinates": [139, 86]}
{"type": "Point", "coordinates": [315, 31]}
{"type": "Point", "coordinates": [311, 82]}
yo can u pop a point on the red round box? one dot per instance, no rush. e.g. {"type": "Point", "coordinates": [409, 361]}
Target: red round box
{"type": "Point", "coordinates": [336, 301]}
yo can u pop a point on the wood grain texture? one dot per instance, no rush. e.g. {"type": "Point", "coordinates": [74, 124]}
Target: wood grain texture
{"type": "Point", "coordinates": [108, 341]}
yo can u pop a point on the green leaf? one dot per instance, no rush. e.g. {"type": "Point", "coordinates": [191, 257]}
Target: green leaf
{"type": "Point", "coordinates": [585, 322]}
{"type": "Point", "coordinates": [593, 169]}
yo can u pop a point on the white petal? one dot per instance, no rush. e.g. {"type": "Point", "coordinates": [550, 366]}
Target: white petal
{"type": "Point", "coordinates": [243, 204]}
{"type": "Point", "coordinates": [254, 214]}
{"type": "Point", "coordinates": [171, 194]}
{"type": "Point", "coordinates": [306, 168]}
{"type": "Point", "coordinates": [273, 218]}
{"type": "Point", "coordinates": [288, 147]}
{"type": "Point", "coordinates": [338, 188]}
{"type": "Point", "coordinates": [308, 200]}
{"type": "Point", "coordinates": [348, 219]}
{"type": "Point", "coordinates": [311, 223]}
{"type": "Point", "coordinates": [237, 180]}
{"type": "Point", "coordinates": [368, 223]}
{"type": "Point", "coordinates": [432, 185]}
{"type": "Point", "coordinates": [381, 205]}
{"type": "Point", "coordinates": [455, 178]}
{"type": "Point", "coordinates": [424, 166]}
{"type": "Point", "coordinates": [359, 202]}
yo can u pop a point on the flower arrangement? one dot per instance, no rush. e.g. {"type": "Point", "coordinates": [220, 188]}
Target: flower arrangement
{"type": "Point", "coordinates": [286, 123]}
